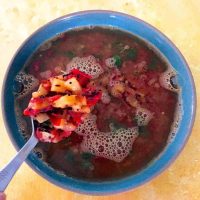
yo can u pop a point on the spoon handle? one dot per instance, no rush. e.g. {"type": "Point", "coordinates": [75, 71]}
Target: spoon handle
{"type": "Point", "coordinates": [10, 169]}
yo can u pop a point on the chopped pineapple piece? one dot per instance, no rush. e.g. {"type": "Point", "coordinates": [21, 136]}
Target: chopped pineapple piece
{"type": "Point", "coordinates": [70, 100]}
{"type": "Point", "coordinates": [85, 109]}
{"type": "Point", "coordinates": [80, 108]}
{"type": "Point", "coordinates": [41, 92]}
{"type": "Point", "coordinates": [81, 100]}
{"type": "Point", "coordinates": [41, 117]}
{"type": "Point", "coordinates": [76, 108]}
{"type": "Point", "coordinates": [73, 85]}
{"type": "Point", "coordinates": [58, 85]}
{"type": "Point", "coordinates": [67, 100]}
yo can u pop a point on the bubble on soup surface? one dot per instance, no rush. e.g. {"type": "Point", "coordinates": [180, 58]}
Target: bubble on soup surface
{"type": "Point", "coordinates": [110, 62]}
{"type": "Point", "coordinates": [111, 145]}
{"type": "Point", "coordinates": [22, 126]}
{"type": "Point", "coordinates": [89, 125]}
{"type": "Point", "coordinates": [28, 81]}
{"type": "Point", "coordinates": [39, 153]}
{"type": "Point", "coordinates": [88, 64]}
{"type": "Point", "coordinates": [173, 131]}
{"type": "Point", "coordinates": [18, 86]}
{"type": "Point", "coordinates": [143, 116]}
{"type": "Point", "coordinates": [167, 80]}
{"type": "Point", "coordinates": [175, 124]}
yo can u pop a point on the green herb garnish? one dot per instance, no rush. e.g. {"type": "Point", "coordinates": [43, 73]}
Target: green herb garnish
{"type": "Point", "coordinates": [87, 165]}
{"type": "Point", "coordinates": [87, 156]}
{"type": "Point", "coordinates": [135, 120]}
{"type": "Point", "coordinates": [131, 54]}
{"type": "Point", "coordinates": [118, 60]}
{"type": "Point", "coordinates": [153, 65]}
{"type": "Point", "coordinates": [69, 156]}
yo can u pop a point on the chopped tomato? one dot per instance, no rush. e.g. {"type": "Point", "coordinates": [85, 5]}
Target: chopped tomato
{"type": "Point", "coordinates": [27, 112]}
{"type": "Point", "coordinates": [32, 112]}
{"type": "Point", "coordinates": [56, 121]}
{"type": "Point", "coordinates": [40, 104]}
{"type": "Point", "coordinates": [54, 98]}
{"type": "Point", "coordinates": [59, 135]}
{"type": "Point", "coordinates": [76, 116]}
{"type": "Point", "coordinates": [82, 77]}
{"type": "Point", "coordinates": [93, 99]}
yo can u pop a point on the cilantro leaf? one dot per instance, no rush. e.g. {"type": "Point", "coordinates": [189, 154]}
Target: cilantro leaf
{"type": "Point", "coordinates": [118, 60]}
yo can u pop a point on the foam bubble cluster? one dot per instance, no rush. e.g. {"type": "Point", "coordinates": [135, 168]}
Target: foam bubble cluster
{"type": "Point", "coordinates": [143, 116]}
{"type": "Point", "coordinates": [22, 127]}
{"type": "Point", "coordinates": [165, 80]}
{"type": "Point", "coordinates": [87, 64]}
{"type": "Point", "coordinates": [110, 62]}
{"type": "Point", "coordinates": [111, 145]}
{"type": "Point", "coordinates": [28, 81]}
{"type": "Point", "coordinates": [176, 123]}
{"type": "Point", "coordinates": [39, 153]}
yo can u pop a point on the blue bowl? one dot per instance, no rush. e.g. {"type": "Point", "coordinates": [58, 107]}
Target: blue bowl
{"type": "Point", "coordinates": [132, 25]}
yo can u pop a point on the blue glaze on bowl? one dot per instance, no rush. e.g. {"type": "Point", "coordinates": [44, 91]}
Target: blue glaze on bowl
{"type": "Point", "coordinates": [137, 27]}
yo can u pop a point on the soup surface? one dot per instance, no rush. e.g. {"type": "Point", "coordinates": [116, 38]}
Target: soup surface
{"type": "Point", "coordinates": [131, 124]}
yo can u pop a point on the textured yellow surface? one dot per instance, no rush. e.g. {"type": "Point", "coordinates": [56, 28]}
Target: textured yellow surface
{"type": "Point", "coordinates": [178, 19]}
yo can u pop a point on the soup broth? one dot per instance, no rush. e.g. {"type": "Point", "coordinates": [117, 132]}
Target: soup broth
{"type": "Point", "coordinates": [131, 124]}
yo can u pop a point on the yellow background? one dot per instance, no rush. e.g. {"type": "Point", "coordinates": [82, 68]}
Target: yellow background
{"type": "Point", "coordinates": [178, 19]}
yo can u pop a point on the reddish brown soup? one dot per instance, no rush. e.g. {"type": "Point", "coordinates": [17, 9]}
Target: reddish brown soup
{"type": "Point", "coordinates": [131, 80]}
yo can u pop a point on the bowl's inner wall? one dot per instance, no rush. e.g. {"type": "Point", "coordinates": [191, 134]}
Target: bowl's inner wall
{"type": "Point", "coordinates": [131, 25]}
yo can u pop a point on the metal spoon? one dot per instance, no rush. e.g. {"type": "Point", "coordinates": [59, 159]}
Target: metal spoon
{"type": "Point", "coordinates": [10, 169]}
